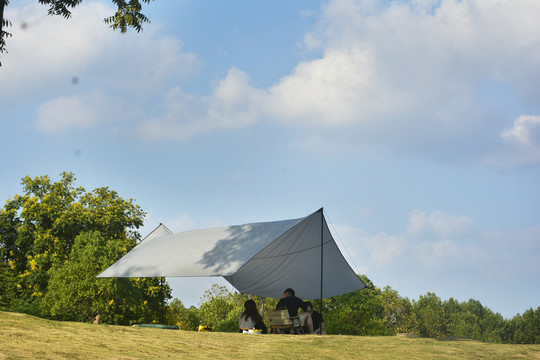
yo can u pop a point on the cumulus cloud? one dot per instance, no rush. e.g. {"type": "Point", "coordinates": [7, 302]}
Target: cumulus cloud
{"type": "Point", "coordinates": [45, 47]}
{"type": "Point", "coordinates": [46, 53]}
{"type": "Point", "coordinates": [521, 143]}
{"type": "Point", "coordinates": [83, 111]}
{"type": "Point", "coordinates": [438, 224]}
{"type": "Point", "coordinates": [326, 92]}
{"type": "Point", "coordinates": [430, 240]}
{"type": "Point", "coordinates": [63, 114]}
{"type": "Point", "coordinates": [233, 104]}
{"type": "Point", "coordinates": [411, 76]}
{"type": "Point", "coordinates": [525, 132]}
{"type": "Point", "coordinates": [385, 248]}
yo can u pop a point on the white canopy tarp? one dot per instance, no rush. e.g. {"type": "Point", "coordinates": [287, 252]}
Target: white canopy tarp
{"type": "Point", "coordinates": [258, 259]}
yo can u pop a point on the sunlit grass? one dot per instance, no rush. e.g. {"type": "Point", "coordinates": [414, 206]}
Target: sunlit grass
{"type": "Point", "coordinates": [26, 337]}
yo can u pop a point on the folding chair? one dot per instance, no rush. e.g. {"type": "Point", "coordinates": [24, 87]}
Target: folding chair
{"type": "Point", "coordinates": [280, 321]}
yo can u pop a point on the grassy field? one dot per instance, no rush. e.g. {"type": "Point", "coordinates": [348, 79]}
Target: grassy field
{"type": "Point", "coordinates": [26, 337]}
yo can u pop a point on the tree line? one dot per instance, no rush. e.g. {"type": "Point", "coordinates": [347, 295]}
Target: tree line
{"type": "Point", "coordinates": [375, 312]}
{"type": "Point", "coordinates": [56, 238]}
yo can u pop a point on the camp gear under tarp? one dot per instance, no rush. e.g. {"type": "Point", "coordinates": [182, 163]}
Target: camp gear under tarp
{"type": "Point", "coordinates": [259, 259]}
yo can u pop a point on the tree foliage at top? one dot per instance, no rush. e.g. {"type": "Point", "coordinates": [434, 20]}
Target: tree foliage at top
{"type": "Point", "coordinates": [128, 15]}
{"type": "Point", "coordinates": [61, 235]}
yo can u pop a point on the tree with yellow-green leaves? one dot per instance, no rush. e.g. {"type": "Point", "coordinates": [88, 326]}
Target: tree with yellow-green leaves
{"type": "Point", "coordinates": [56, 237]}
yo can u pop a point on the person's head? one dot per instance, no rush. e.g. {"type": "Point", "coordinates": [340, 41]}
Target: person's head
{"type": "Point", "coordinates": [309, 307]}
{"type": "Point", "coordinates": [250, 311]}
{"type": "Point", "coordinates": [288, 292]}
{"type": "Point", "coordinates": [250, 306]}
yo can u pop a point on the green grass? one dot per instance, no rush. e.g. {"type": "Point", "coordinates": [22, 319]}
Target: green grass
{"type": "Point", "coordinates": [27, 337]}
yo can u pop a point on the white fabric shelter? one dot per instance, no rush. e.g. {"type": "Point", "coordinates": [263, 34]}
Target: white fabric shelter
{"type": "Point", "coordinates": [258, 259]}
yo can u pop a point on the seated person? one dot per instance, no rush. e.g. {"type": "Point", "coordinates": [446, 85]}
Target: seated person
{"type": "Point", "coordinates": [293, 303]}
{"type": "Point", "coordinates": [316, 318]}
{"type": "Point", "coordinates": [250, 318]}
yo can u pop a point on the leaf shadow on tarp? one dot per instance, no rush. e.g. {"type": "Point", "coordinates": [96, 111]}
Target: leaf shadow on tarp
{"type": "Point", "coordinates": [242, 243]}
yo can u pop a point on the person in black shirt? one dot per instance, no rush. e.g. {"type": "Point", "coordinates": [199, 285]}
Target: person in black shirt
{"type": "Point", "coordinates": [317, 319]}
{"type": "Point", "coordinates": [293, 303]}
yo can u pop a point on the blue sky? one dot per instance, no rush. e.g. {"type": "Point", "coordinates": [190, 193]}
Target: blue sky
{"type": "Point", "coordinates": [415, 124]}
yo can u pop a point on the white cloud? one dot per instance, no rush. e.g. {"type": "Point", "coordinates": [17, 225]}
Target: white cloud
{"type": "Point", "coordinates": [83, 111]}
{"type": "Point", "coordinates": [46, 45]}
{"type": "Point", "coordinates": [49, 52]}
{"type": "Point", "coordinates": [64, 114]}
{"type": "Point", "coordinates": [326, 92]}
{"type": "Point", "coordinates": [521, 143]}
{"type": "Point", "coordinates": [409, 76]}
{"type": "Point", "coordinates": [233, 104]}
{"type": "Point", "coordinates": [385, 248]}
{"type": "Point", "coordinates": [431, 241]}
{"type": "Point", "coordinates": [146, 63]}
{"type": "Point", "coordinates": [438, 224]}
{"type": "Point", "coordinates": [525, 132]}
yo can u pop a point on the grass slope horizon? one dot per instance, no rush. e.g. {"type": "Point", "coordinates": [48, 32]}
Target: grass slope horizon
{"type": "Point", "coordinates": [28, 337]}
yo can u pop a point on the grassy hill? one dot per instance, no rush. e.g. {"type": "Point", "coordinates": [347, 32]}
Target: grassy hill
{"type": "Point", "coordinates": [27, 337]}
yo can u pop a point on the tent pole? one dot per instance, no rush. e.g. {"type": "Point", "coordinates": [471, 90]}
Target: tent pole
{"type": "Point", "coordinates": [261, 309]}
{"type": "Point", "coordinates": [322, 246]}
{"type": "Point", "coordinates": [162, 298]}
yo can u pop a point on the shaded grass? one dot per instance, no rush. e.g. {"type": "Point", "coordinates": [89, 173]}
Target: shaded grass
{"type": "Point", "coordinates": [26, 337]}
